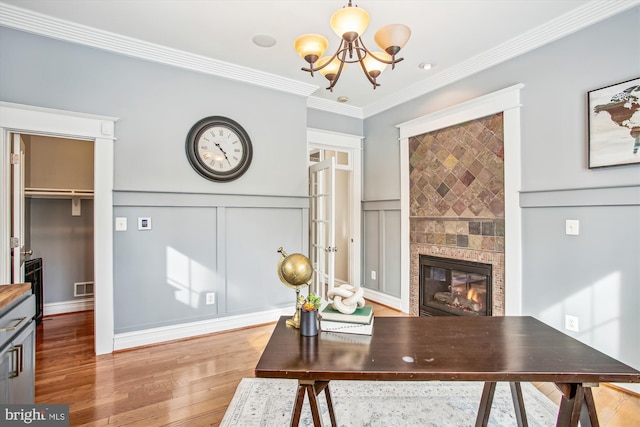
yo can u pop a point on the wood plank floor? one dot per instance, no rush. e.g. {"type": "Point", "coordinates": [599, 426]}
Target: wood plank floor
{"type": "Point", "coordinates": [184, 383]}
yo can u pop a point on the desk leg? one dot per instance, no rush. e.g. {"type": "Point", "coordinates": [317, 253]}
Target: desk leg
{"type": "Point", "coordinates": [313, 402]}
{"type": "Point", "coordinates": [297, 407]}
{"type": "Point", "coordinates": [485, 404]}
{"type": "Point", "coordinates": [518, 404]}
{"type": "Point", "coordinates": [312, 389]}
{"type": "Point", "coordinates": [327, 394]}
{"type": "Point", "coordinates": [577, 405]}
{"type": "Point", "coordinates": [487, 400]}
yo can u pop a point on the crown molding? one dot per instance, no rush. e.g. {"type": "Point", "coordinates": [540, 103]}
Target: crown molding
{"type": "Point", "coordinates": [44, 25]}
{"type": "Point", "coordinates": [562, 26]}
{"type": "Point", "coordinates": [334, 107]}
{"type": "Point", "coordinates": [575, 20]}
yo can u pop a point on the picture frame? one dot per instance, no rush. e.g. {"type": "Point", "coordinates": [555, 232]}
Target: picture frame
{"type": "Point", "coordinates": [613, 114]}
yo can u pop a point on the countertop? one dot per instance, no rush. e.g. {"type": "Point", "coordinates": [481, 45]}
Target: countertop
{"type": "Point", "coordinates": [10, 293]}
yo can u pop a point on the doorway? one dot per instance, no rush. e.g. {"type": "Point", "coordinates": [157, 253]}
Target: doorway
{"type": "Point", "coordinates": [16, 118]}
{"type": "Point", "coordinates": [58, 214]}
{"type": "Point", "coordinates": [347, 152]}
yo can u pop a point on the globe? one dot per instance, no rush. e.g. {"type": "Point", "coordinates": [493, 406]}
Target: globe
{"type": "Point", "coordinates": [295, 271]}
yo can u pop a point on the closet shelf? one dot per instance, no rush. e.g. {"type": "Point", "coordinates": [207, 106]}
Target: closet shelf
{"type": "Point", "coordinates": [58, 193]}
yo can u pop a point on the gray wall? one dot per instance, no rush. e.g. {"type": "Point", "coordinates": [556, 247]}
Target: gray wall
{"type": "Point", "coordinates": [596, 275]}
{"type": "Point", "coordinates": [318, 119]}
{"type": "Point", "coordinates": [224, 237]}
{"type": "Point", "coordinates": [64, 242]}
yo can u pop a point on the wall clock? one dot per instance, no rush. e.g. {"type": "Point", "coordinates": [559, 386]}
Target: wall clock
{"type": "Point", "coordinates": [219, 149]}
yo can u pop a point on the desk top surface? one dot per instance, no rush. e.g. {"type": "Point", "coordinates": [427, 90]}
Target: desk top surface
{"type": "Point", "coordinates": [441, 348]}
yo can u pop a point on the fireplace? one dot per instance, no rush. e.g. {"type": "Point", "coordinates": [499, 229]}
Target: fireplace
{"type": "Point", "coordinates": [451, 287]}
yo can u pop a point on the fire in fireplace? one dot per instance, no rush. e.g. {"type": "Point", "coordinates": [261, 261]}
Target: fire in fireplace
{"type": "Point", "coordinates": [451, 287]}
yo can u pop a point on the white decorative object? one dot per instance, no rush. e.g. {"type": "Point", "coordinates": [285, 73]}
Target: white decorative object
{"type": "Point", "coordinates": [346, 298]}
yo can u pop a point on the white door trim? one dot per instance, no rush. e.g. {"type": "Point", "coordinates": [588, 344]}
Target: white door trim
{"type": "Point", "coordinates": [507, 101]}
{"type": "Point", "coordinates": [318, 138]}
{"type": "Point", "coordinates": [101, 130]}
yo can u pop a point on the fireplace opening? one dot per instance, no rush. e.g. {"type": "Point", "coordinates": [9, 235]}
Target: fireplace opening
{"type": "Point", "coordinates": [451, 287]}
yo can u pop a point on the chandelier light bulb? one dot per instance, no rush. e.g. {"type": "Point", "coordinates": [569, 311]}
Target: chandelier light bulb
{"type": "Point", "coordinates": [330, 71]}
{"type": "Point", "coordinates": [372, 63]}
{"type": "Point", "coordinates": [392, 38]}
{"type": "Point", "coordinates": [350, 22]}
{"type": "Point", "coordinates": [311, 46]}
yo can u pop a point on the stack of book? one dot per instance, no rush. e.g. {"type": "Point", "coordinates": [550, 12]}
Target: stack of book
{"type": "Point", "coordinates": [359, 322]}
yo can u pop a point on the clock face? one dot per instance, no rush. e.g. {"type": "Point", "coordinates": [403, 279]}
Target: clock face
{"type": "Point", "coordinates": [219, 149]}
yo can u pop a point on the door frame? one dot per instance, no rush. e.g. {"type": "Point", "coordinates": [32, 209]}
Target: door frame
{"type": "Point", "coordinates": [25, 119]}
{"type": "Point", "coordinates": [318, 138]}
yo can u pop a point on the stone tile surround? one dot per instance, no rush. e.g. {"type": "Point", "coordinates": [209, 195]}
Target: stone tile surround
{"type": "Point", "coordinates": [457, 199]}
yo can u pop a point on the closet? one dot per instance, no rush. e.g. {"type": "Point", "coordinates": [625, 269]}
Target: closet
{"type": "Point", "coordinates": [59, 221]}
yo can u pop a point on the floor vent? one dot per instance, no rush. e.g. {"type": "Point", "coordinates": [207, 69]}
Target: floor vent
{"type": "Point", "coordinates": [83, 289]}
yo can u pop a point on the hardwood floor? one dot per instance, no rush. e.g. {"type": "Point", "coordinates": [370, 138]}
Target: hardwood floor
{"type": "Point", "coordinates": [184, 383]}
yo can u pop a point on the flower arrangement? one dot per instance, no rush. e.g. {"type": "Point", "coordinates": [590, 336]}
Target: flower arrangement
{"type": "Point", "coordinates": [310, 303]}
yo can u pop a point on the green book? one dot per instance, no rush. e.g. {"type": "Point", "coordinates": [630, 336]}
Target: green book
{"type": "Point", "coordinates": [362, 315]}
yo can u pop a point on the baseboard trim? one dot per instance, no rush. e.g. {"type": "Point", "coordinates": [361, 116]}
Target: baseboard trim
{"type": "Point", "coordinates": [383, 299]}
{"type": "Point", "coordinates": [631, 389]}
{"type": "Point", "coordinates": [150, 336]}
{"type": "Point", "coordinates": [62, 307]}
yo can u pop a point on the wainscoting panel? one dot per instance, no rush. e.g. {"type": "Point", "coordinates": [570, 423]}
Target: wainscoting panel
{"type": "Point", "coordinates": [200, 244]}
{"type": "Point", "coordinates": [381, 254]}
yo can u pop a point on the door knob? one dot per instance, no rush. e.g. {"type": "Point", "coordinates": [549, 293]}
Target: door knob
{"type": "Point", "coordinates": [27, 252]}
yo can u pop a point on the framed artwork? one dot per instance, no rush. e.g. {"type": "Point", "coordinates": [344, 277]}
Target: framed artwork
{"type": "Point", "coordinates": [614, 124]}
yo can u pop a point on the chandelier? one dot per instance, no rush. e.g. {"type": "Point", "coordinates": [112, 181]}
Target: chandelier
{"type": "Point", "coordinates": [349, 23]}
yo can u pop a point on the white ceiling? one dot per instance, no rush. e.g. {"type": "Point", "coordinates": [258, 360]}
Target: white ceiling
{"type": "Point", "coordinates": [459, 36]}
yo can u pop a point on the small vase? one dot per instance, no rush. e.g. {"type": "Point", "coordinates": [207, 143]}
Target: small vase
{"type": "Point", "coordinates": [308, 323]}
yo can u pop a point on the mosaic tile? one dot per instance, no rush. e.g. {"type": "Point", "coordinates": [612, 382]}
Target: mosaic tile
{"type": "Point", "coordinates": [467, 159]}
{"type": "Point", "coordinates": [488, 228]}
{"type": "Point", "coordinates": [462, 241]}
{"type": "Point", "coordinates": [488, 243]}
{"type": "Point", "coordinates": [475, 228]}
{"type": "Point", "coordinates": [475, 242]}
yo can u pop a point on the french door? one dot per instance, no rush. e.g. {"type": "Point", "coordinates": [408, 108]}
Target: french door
{"type": "Point", "coordinates": [322, 225]}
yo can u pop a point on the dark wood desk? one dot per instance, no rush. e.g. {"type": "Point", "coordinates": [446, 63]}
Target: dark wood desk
{"type": "Point", "coordinates": [487, 349]}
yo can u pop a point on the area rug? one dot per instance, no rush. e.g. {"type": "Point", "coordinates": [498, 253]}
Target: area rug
{"type": "Point", "coordinates": [268, 402]}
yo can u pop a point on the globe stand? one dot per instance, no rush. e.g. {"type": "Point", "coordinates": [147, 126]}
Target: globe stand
{"type": "Point", "coordinates": [295, 320]}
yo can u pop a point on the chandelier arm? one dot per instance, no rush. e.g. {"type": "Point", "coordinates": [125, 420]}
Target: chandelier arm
{"type": "Point", "coordinates": [384, 61]}
{"type": "Point", "coordinates": [361, 62]}
{"type": "Point", "coordinates": [342, 62]}
{"type": "Point", "coordinates": [341, 49]}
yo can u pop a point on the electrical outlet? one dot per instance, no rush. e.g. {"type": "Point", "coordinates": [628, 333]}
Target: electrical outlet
{"type": "Point", "coordinates": [571, 323]}
{"type": "Point", "coordinates": [374, 275]}
{"type": "Point", "coordinates": [210, 298]}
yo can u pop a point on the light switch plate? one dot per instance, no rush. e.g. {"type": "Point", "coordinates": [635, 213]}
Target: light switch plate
{"type": "Point", "coordinates": [572, 227]}
{"type": "Point", "coordinates": [121, 224]}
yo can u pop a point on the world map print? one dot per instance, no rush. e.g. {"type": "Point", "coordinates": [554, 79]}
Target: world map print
{"type": "Point", "coordinates": [614, 125]}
